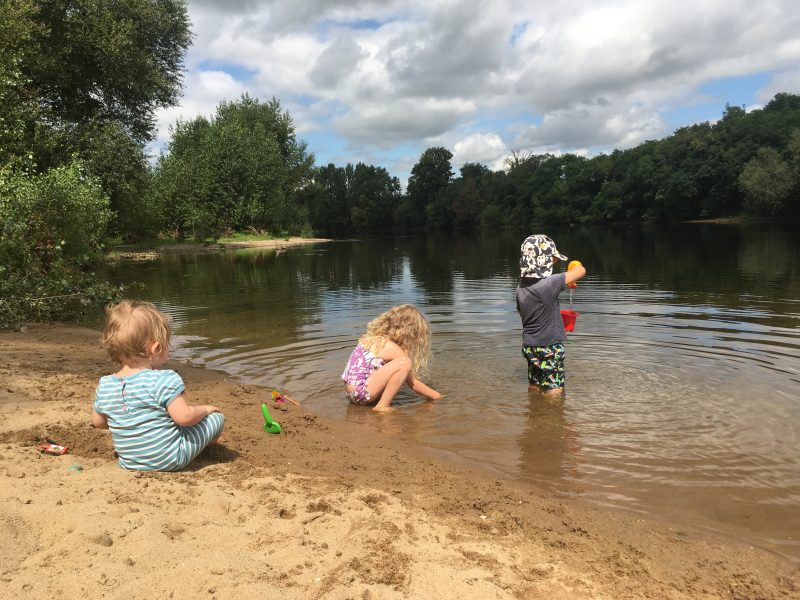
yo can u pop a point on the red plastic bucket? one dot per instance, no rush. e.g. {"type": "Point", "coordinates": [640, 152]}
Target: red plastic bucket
{"type": "Point", "coordinates": [569, 317]}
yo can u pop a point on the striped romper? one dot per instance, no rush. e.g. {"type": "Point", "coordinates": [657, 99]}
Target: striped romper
{"type": "Point", "coordinates": [145, 436]}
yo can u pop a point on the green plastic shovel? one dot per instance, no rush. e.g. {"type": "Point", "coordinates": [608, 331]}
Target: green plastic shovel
{"type": "Point", "coordinates": [270, 426]}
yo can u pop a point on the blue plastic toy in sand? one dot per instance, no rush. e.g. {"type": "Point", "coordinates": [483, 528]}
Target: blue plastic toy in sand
{"type": "Point", "coordinates": [270, 426]}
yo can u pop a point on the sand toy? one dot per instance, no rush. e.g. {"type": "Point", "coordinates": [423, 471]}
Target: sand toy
{"type": "Point", "coordinates": [270, 426]}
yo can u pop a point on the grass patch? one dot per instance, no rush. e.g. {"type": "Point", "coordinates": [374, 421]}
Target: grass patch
{"type": "Point", "coordinates": [252, 237]}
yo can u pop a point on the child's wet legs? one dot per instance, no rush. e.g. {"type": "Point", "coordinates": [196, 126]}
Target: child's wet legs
{"type": "Point", "coordinates": [387, 381]}
{"type": "Point", "coordinates": [545, 391]}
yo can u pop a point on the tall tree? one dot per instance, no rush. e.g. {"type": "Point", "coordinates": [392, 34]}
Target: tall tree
{"type": "Point", "coordinates": [79, 83]}
{"type": "Point", "coordinates": [243, 168]}
{"type": "Point", "coordinates": [108, 60]}
{"type": "Point", "coordinates": [18, 108]}
{"type": "Point", "coordinates": [766, 181]}
{"type": "Point", "coordinates": [96, 71]}
{"type": "Point", "coordinates": [429, 178]}
{"type": "Point", "coordinates": [374, 194]}
{"type": "Point", "coordinates": [352, 198]}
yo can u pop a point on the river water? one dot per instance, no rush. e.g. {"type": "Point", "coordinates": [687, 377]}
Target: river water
{"type": "Point", "coordinates": [683, 372]}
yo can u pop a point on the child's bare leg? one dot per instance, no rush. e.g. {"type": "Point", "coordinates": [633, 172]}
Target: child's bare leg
{"type": "Point", "coordinates": [544, 391]}
{"type": "Point", "coordinates": [387, 381]}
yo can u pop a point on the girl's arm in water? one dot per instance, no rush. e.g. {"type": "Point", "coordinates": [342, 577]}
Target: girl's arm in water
{"type": "Point", "coordinates": [422, 389]}
{"type": "Point", "coordinates": [392, 351]}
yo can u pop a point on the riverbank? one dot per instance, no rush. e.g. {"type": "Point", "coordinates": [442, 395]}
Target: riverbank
{"type": "Point", "coordinates": [323, 510]}
{"type": "Point", "coordinates": [149, 253]}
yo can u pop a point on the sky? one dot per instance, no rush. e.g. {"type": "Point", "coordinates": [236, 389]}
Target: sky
{"type": "Point", "coordinates": [379, 82]}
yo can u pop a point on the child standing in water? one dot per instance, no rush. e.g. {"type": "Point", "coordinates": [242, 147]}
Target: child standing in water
{"type": "Point", "coordinates": [152, 426]}
{"type": "Point", "coordinates": [392, 352]}
{"type": "Point", "coordinates": [543, 334]}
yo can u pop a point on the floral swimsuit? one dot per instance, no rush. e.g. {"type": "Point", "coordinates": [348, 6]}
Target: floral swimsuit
{"type": "Point", "coordinates": [361, 364]}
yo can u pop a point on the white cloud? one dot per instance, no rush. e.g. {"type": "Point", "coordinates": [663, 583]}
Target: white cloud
{"type": "Point", "coordinates": [336, 63]}
{"type": "Point", "coordinates": [785, 81]}
{"type": "Point", "coordinates": [576, 76]}
{"type": "Point", "coordinates": [486, 148]}
{"type": "Point", "coordinates": [204, 90]}
{"type": "Point", "coordinates": [385, 125]}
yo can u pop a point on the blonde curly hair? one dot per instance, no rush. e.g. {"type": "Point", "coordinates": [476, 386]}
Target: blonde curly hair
{"type": "Point", "coordinates": [131, 327]}
{"type": "Point", "coordinates": [405, 326]}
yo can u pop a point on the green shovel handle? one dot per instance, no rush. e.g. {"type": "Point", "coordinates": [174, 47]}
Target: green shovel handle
{"type": "Point", "coordinates": [270, 426]}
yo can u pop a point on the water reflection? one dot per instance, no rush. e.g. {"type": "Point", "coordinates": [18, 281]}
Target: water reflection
{"type": "Point", "coordinates": [397, 422]}
{"type": "Point", "coordinates": [549, 446]}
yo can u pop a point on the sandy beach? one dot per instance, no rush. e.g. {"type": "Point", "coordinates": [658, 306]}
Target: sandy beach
{"type": "Point", "coordinates": [322, 510]}
{"type": "Point", "coordinates": [136, 253]}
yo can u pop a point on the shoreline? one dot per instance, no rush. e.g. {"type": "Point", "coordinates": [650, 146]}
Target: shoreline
{"type": "Point", "coordinates": [137, 253]}
{"type": "Point", "coordinates": [323, 510]}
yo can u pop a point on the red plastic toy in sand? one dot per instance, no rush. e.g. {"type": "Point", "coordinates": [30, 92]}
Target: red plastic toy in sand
{"type": "Point", "coordinates": [53, 449]}
{"type": "Point", "coordinates": [569, 317]}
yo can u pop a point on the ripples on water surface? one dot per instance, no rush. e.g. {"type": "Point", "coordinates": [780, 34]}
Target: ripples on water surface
{"type": "Point", "coordinates": [682, 396]}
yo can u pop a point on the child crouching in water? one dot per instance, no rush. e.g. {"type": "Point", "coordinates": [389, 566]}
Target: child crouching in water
{"type": "Point", "coordinates": [152, 426]}
{"type": "Point", "coordinates": [391, 353]}
{"type": "Point", "coordinates": [543, 333]}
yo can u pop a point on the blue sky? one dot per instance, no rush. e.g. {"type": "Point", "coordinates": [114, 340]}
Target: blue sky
{"type": "Point", "coordinates": [381, 81]}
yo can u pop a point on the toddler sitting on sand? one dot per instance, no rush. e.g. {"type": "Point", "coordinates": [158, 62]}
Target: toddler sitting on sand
{"type": "Point", "coordinates": [152, 426]}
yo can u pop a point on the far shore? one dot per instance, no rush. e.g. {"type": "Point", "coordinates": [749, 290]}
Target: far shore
{"type": "Point", "coordinates": [146, 252]}
{"type": "Point", "coordinates": [720, 221]}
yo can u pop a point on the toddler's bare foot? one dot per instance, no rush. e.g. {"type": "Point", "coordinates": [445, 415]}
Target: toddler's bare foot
{"type": "Point", "coordinates": [220, 439]}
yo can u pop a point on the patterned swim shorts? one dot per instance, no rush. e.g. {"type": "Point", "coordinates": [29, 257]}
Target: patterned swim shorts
{"type": "Point", "coordinates": [360, 395]}
{"type": "Point", "coordinates": [545, 365]}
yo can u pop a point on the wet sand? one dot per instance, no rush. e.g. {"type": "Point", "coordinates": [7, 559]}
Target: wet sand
{"type": "Point", "coordinates": [323, 510]}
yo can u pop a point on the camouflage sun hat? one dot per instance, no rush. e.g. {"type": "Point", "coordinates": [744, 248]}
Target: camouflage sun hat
{"type": "Point", "coordinates": [538, 252]}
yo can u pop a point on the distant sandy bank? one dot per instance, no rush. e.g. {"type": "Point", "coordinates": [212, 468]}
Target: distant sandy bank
{"type": "Point", "coordinates": [133, 253]}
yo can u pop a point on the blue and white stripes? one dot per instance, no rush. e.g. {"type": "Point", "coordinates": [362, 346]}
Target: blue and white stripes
{"type": "Point", "coordinates": [144, 434]}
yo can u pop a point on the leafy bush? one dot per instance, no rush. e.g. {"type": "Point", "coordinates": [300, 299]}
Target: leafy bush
{"type": "Point", "coordinates": [51, 231]}
{"type": "Point", "coordinates": [242, 168]}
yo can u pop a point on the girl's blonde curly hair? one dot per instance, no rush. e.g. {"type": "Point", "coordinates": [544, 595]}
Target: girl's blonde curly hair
{"type": "Point", "coordinates": [405, 326]}
{"type": "Point", "coordinates": [131, 327]}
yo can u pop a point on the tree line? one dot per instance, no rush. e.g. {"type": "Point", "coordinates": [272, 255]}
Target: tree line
{"type": "Point", "coordinates": [80, 81]}
{"type": "Point", "coordinates": [745, 165]}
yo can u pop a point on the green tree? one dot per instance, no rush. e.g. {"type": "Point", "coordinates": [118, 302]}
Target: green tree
{"type": "Point", "coordinates": [112, 60]}
{"type": "Point", "coordinates": [51, 231]}
{"type": "Point", "coordinates": [352, 198]}
{"type": "Point", "coordinates": [373, 195]}
{"type": "Point", "coordinates": [18, 108]}
{"type": "Point", "coordinates": [429, 178]}
{"type": "Point", "coordinates": [83, 78]}
{"type": "Point", "coordinates": [79, 83]}
{"type": "Point", "coordinates": [242, 169]}
{"type": "Point", "coordinates": [766, 181]}
{"type": "Point", "coordinates": [182, 184]}
{"type": "Point", "coordinates": [465, 196]}
{"type": "Point", "coordinates": [745, 161]}
{"type": "Point", "coordinates": [327, 201]}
